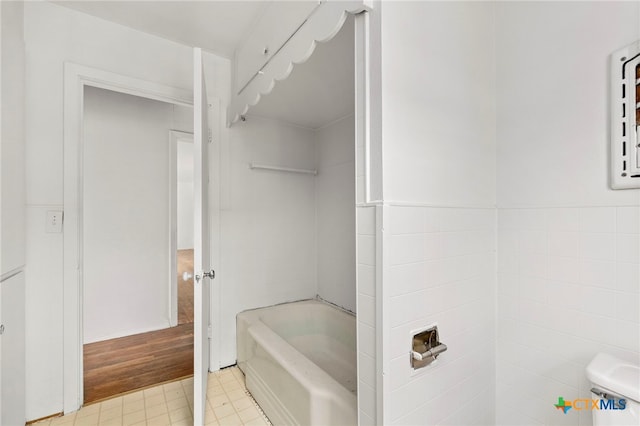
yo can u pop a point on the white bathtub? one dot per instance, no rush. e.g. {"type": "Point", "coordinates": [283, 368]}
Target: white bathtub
{"type": "Point", "coordinates": [299, 360]}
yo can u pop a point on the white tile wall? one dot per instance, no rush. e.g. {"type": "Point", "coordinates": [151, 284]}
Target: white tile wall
{"type": "Point", "coordinates": [366, 308]}
{"type": "Point", "coordinates": [578, 295]}
{"type": "Point", "coordinates": [441, 268]}
{"type": "Point", "coordinates": [568, 278]}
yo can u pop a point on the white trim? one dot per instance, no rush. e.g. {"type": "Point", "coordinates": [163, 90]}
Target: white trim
{"type": "Point", "coordinates": [76, 77]}
{"type": "Point", "coordinates": [565, 206]}
{"type": "Point", "coordinates": [129, 332]}
{"type": "Point", "coordinates": [432, 205]}
{"type": "Point", "coordinates": [322, 25]}
{"type": "Point", "coordinates": [277, 50]}
{"type": "Point", "coordinates": [219, 138]}
{"type": "Point", "coordinates": [173, 230]}
{"type": "Point", "coordinates": [175, 136]}
{"type": "Point", "coordinates": [362, 96]}
{"type": "Point", "coordinates": [438, 205]}
{"type": "Point", "coordinates": [494, 207]}
{"type": "Point", "coordinates": [363, 126]}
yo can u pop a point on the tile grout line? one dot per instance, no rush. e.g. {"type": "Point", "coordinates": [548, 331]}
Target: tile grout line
{"type": "Point", "coordinates": [243, 387]}
{"type": "Point", "coordinates": [95, 415]}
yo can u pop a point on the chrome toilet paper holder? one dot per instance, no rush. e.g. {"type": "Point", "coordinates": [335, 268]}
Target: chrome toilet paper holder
{"type": "Point", "coordinates": [426, 347]}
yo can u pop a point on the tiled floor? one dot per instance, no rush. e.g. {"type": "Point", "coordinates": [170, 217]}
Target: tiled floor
{"type": "Point", "coordinates": [229, 404]}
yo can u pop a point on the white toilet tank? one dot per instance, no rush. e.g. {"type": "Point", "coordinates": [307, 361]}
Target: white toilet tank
{"type": "Point", "coordinates": [617, 383]}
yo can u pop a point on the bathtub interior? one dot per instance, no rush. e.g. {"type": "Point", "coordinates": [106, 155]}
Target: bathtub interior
{"type": "Point", "coordinates": [322, 333]}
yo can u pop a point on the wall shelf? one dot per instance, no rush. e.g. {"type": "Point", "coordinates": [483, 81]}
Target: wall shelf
{"type": "Point", "coordinates": [283, 169]}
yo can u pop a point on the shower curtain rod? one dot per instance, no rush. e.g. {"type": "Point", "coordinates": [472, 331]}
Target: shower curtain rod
{"type": "Point", "coordinates": [282, 169]}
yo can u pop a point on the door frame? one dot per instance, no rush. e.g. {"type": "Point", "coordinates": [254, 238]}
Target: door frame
{"type": "Point", "coordinates": [76, 77]}
{"type": "Point", "coordinates": [175, 136]}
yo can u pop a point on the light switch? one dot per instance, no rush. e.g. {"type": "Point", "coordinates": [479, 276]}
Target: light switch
{"type": "Point", "coordinates": [54, 221]}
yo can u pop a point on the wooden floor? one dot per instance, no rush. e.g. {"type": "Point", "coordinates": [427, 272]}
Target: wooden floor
{"type": "Point", "coordinates": [121, 365]}
{"type": "Point", "coordinates": [117, 366]}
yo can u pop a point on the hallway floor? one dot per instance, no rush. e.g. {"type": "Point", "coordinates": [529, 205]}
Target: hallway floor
{"type": "Point", "coordinates": [228, 403]}
{"type": "Point", "coordinates": [116, 366]}
{"type": "Point", "coordinates": [185, 288]}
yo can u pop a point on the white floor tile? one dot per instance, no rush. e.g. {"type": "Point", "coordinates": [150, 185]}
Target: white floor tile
{"type": "Point", "coordinates": [229, 403]}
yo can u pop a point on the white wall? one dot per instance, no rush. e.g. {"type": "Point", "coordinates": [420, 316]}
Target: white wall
{"type": "Point", "coordinates": [438, 223]}
{"type": "Point", "coordinates": [126, 214]}
{"type": "Point", "coordinates": [568, 246]}
{"type": "Point", "coordinates": [12, 383]}
{"type": "Point", "coordinates": [185, 195]}
{"type": "Point", "coordinates": [553, 132]}
{"type": "Point", "coordinates": [53, 35]}
{"type": "Point", "coordinates": [285, 236]}
{"type": "Point", "coordinates": [438, 104]}
{"type": "Point", "coordinates": [12, 229]}
{"type": "Point", "coordinates": [12, 214]}
{"type": "Point", "coordinates": [335, 213]}
{"type": "Point", "coordinates": [267, 222]}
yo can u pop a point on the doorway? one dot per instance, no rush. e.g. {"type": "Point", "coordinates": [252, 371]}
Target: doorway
{"type": "Point", "coordinates": [128, 241]}
{"type": "Point", "coordinates": [76, 79]}
{"type": "Point", "coordinates": [182, 193]}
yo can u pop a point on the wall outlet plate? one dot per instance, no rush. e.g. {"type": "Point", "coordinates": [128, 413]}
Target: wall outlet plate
{"type": "Point", "coordinates": [53, 224]}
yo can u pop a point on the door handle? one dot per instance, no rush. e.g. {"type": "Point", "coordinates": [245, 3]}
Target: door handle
{"type": "Point", "coordinates": [209, 274]}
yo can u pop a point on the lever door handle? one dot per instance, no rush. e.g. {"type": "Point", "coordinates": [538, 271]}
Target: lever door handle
{"type": "Point", "coordinates": [209, 274]}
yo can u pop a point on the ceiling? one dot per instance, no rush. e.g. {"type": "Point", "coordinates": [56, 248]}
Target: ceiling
{"type": "Point", "coordinates": [319, 91]}
{"type": "Point", "coordinates": [316, 93]}
{"type": "Point", "coordinates": [216, 26]}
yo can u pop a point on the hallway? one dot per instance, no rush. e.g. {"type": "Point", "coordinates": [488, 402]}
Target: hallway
{"type": "Point", "coordinates": [116, 366]}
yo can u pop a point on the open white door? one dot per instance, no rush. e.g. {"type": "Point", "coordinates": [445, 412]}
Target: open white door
{"type": "Point", "coordinates": [202, 269]}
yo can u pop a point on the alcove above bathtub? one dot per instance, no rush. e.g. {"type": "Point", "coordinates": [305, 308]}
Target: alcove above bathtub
{"type": "Point", "coordinates": [288, 179]}
{"type": "Point", "coordinates": [267, 56]}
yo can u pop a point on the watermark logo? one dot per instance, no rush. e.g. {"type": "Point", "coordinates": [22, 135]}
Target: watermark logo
{"type": "Point", "coordinates": [590, 404]}
{"type": "Point", "coordinates": [563, 405]}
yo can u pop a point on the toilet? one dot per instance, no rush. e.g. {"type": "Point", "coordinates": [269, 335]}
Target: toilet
{"type": "Point", "coordinates": [617, 382]}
